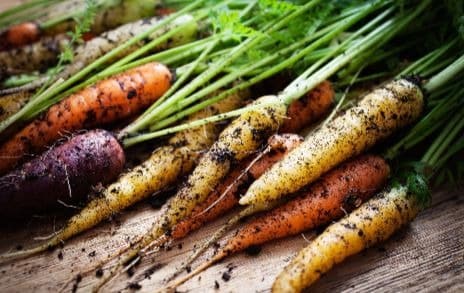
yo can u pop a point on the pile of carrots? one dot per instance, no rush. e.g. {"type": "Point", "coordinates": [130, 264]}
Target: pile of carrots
{"type": "Point", "coordinates": [299, 158]}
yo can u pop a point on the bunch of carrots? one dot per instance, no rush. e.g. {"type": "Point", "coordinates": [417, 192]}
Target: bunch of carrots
{"type": "Point", "coordinates": [304, 155]}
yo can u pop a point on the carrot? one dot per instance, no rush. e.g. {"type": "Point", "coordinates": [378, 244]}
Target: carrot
{"type": "Point", "coordinates": [64, 174]}
{"type": "Point", "coordinates": [98, 46]}
{"type": "Point", "coordinates": [299, 114]}
{"type": "Point", "coordinates": [19, 35]}
{"type": "Point", "coordinates": [243, 136]}
{"type": "Point", "coordinates": [225, 196]}
{"type": "Point", "coordinates": [36, 56]}
{"type": "Point", "coordinates": [377, 116]}
{"type": "Point", "coordinates": [109, 100]}
{"type": "Point", "coordinates": [373, 222]}
{"type": "Point", "coordinates": [340, 190]}
{"type": "Point", "coordinates": [160, 170]}
{"type": "Point", "coordinates": [12, 103]}
{"type": "Point", "coordinates": [337, 192]}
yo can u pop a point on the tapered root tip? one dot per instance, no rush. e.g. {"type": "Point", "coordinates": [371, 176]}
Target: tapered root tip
{"type": "Point", "coordinates": [170, 287]}
{"type": "Point", "coordinates": [17, 255]}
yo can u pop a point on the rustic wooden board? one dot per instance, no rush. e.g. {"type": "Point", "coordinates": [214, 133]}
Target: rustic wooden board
{"type": "Point", "coordinates": [426, 256]}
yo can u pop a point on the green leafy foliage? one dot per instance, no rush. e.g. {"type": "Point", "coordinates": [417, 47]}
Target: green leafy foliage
{"type": "Point", "coordinates": [412, 175]}
{"type": "Point", "coordinates": [83, 25]}
{"type": "Point", "coordinates": [275, 7]}
{"type": "Point", "coordinates": [229, 22]}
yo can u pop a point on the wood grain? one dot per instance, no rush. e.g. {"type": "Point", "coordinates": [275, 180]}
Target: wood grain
{"type": "Point", "coordinates": [426, 256]}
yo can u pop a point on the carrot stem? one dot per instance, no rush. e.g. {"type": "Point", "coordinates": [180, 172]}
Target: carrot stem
{"type": "Point", "coordinates": [127, 142]}
{"type": "Point", "coordinates": [327, 34]}
{"type": "Point", "coordinates": [153, 44]}
{"type": "Point", "coordinates": [374, 39]}
{"type": "Point", "coordinates": [445, 75]}
{"type": "Point", "coordinates": [217, 67]}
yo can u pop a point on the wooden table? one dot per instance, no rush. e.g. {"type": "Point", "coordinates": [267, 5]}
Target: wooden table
{"type": "Point", "coordinates": [426, 256]}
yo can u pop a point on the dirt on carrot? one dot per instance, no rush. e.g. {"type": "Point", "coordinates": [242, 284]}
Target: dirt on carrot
{"type": "Point", "coordinates": [107, 101]}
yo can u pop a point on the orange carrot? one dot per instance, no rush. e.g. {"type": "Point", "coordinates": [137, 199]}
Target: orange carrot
{"type": "Point", "coordinates": [19, 35]}
{"type": "Point", "coordinates": [109, 100]}
{"type": "Point", "coordinates": [339, 191]}
{"type": "Point", "coordinates": [300, 114]}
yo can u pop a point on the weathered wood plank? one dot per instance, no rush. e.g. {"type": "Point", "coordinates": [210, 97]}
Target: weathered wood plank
{"type": "Point", "coordinates": [427, 256]}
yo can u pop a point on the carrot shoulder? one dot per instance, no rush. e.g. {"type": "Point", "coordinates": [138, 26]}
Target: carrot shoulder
{"type": "Point", "coordinates": [378, 115]}
{"type": "Point", "coordinates": [109, 100]}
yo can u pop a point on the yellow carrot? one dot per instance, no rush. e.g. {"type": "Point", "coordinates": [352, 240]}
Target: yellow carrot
{"type": "Point", "coordinates": [373, 222]}
{"type": "Point", "coordinates": [378, 115]}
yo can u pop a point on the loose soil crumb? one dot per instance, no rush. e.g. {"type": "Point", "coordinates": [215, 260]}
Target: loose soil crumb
{"type": "Point", "coordinates": [226, 277]}
{"type": "Point", "coordinates": [76, 283]}
{"type": "Point", "coordinates": [253, 250]}
{"type": "Point", "coordinates": [135, 286]}
{"type": "Point", "coordinates": [147, 274]}
{"type": "Point", "coordinates": [99, 273]}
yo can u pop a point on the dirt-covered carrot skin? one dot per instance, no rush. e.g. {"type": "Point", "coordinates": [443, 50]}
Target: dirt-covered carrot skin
{"type": "Point", "coordinates": [373, 222]}
{"type": "Point", "coordinates": [12, 103]}
{"type": "Point", "coordinates": [227, 193]}
{"type": "Point", "coordinates": [107, 101]}
{"type": "Point", "coordinates": [64, 173]}
{"type": "Point", "coordinates": [98, 46]}
{"type": "Point", "coordinates": [340, 190]}
{"type": "Point", "coordinates": [300, 114]}
{"type": "Point", "coordinates": [377, 115]}
{"type": "Point", "coordinates": [36, 56]}
{"type": "Point", "coordinates": [19, 35]}
{"type": "Point", "coordinates": [161, 169]}
{"type": "Point", "coordinates": [241, 138]}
